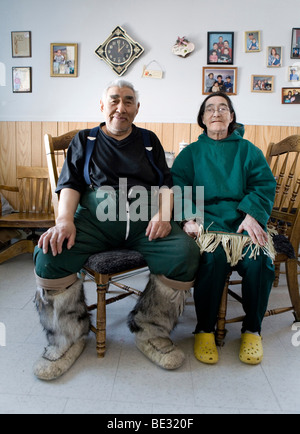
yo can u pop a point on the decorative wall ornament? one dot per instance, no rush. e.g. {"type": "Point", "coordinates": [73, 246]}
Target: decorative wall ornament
{"type": "Point", "coordinates": [152, 73]}
{"type": "Point", "coordinates": [183, 47]}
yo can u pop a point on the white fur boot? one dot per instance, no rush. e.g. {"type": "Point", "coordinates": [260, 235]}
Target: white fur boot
{"type": "Point", "coordinates": [65, 319]}
{"type": "Point", "coordinates": [152, 320]}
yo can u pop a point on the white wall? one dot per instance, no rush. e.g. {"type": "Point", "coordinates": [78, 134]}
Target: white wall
{"type": "Point", "coordinates": [155, 24]}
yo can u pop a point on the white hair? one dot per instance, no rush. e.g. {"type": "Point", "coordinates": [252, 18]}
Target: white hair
{"type": "Point", "coordinates": [119, 82]}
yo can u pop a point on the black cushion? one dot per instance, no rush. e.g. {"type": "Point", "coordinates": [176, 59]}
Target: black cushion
{"type": "Point", "coordinates": [115, 261]}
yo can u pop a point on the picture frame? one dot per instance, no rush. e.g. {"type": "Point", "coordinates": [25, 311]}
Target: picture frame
{"type": "Point", "coordinates": [262, 83]}
{"type": "Point", "coordinates": [290, 95]}
{"type": "Point", "coordinates": [21, 79]}
{"type": "Point", "coordinates": [294, 73]}
{"type": "Point", "coordinates": [21, 44]}
{"type": "Point", "coordinates": [274, 56]}
{"type": "Point", "coordinates": [295, 44]}
{"type": "Point", "coordinates": [63, 60]}
{"type": "Point", "coordinates": [252, 41]}
{"type": "Point", "coordinates": [220, 48]}
{"type": "Point", "coordinates": [225, 75]}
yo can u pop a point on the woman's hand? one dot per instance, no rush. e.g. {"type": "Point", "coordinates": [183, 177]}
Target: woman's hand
{"type": "Point", "coordinates": [255, 231]}
{"type": "Point", "coordinates": [191, 228]}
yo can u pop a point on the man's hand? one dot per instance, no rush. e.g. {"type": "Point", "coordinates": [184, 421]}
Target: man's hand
{"type": "Point", "coordinates": [255, 231]}
{"type": "Point", "coordinates": [55, 236]}
{"type": "Point", "coordinates": [158, 228]}
{"type": "Point", "coordinates": [64, 228]}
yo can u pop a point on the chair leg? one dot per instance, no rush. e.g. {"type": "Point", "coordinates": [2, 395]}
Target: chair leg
{"type": "Point", "coordinates": [101, 317]}
{"type": "Point", "coordinates": [293, 286]}
{"type": "Point", "coordinates": [18, 248]}
{"type": "Point", "coordinates": [277, 274]}
{"type": "Point", "coordinates": [220, 329]}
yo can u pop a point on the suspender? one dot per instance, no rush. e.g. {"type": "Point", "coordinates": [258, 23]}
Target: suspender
{"type": "Point", "coordinates": [89, 150]}
{"type": "Point", "coordinates": [148, 147]}
{"type": "Point", "coordinates": [90, 147]}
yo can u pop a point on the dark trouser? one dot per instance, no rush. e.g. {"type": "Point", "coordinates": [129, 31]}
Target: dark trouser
{"type": "Point", "coordinates": [175, 256]}
{"type": "Point", "coordinates": [258, 276]}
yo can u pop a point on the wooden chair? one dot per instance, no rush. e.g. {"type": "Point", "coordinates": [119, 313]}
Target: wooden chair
{"type": "Point", "coordinates": [35, 209]}
{"type": "Point", "coordinates": [283, 158]}
{"type": "Point", "coordinates": [102, 268]}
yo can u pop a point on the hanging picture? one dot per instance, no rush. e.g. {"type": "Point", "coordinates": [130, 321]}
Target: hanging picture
{"type": "Point", "coordinates": [262, 83]}
{"type": "Point", "coordinates": [294, 73]}
{"type": "Point", "coordinates": [252, 41]}
{"type": "Point", "coordinates": [274, 57]}
{"type": "Point", "coordinates": [295, 45]}
{"type": "Point", "coordinates": [21, 79]}
{"type": "Point", "coordinates": [21, 44]}
{"type": "Point", "coordinates": [219, 78]}
{"type": "Point", "coordinates": [220, 47]}
{"type": "Point", "coordinates": [290, 95]}
{"type": "Point", "coordinates": [63, 60]}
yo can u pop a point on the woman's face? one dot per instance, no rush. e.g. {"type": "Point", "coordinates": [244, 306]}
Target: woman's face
{"type": "Point", "coordinates": [217, 117]}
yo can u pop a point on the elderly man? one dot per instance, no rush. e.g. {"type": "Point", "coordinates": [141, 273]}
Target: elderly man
{"type": "Point", "coordinates": [84, 227]}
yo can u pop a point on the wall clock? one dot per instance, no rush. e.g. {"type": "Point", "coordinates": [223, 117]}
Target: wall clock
{"type": "Point", "coordinates": [119, 50]}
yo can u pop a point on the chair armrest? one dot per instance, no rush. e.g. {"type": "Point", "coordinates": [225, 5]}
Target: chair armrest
{"type": "Point", "coordinates": [6, 188]}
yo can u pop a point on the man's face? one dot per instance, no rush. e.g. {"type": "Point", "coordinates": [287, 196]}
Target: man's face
{"type": "Point", "coordinates": [119, 108]}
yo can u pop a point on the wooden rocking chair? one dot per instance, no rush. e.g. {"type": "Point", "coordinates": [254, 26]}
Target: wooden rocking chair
{"type": "Point", "coordinates": [35, 209]}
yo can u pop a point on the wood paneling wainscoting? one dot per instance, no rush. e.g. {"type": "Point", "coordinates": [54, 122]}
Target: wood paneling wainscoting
{"type": "Point", "coordinates": [22, 144]}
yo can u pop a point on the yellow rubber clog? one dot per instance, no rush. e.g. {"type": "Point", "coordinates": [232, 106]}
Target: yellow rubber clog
{"type": "Point", "coordinates": [205, 349]}
{"type": "Point", "coordinates": [251, 350]}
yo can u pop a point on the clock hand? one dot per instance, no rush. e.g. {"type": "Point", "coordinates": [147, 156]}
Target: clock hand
{"type": "Point", "coordinates": [121, 48]}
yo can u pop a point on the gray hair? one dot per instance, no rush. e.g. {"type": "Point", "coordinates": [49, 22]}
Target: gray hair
{"type": "Point", "coordinates": [119, 82]}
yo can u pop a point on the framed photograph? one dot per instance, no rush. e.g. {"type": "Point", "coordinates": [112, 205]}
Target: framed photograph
{"type": "Point", "coordinates": [262, 83]}
{"type": "Point", "coordinates": [21, 44]}
{"type": "Point", "coordinates": [21, 79]}
{"type": "Point", "coordinates": [220, 47]}
{"type": "Point", "coordinates": [290, 95]}
{"type": "Point", "coordinates": [295, 45]}
{"type": "Point", "coordinates": [63, 60]}
{"type": "Point", "coordinates": [293, 73]}
{"type": "Point", "coordinates": [219, 78]}
{"type": "Point", "coordinates": [252, 41]}
{"type": "Point", "coordinates": [274, 57]}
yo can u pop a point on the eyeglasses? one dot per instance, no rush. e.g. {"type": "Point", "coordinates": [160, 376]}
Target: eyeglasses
{"type": "Point", "coordinates": [211, 109]}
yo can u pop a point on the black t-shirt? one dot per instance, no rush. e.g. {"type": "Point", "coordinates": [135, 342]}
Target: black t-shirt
{"type": "Point", "coordinates": [111, 160]}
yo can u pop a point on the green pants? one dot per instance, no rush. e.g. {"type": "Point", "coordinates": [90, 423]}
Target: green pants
{"type": "Point", "coordinates": [175, 256]}
{"type": "Point", "coordinates": [257, 279]}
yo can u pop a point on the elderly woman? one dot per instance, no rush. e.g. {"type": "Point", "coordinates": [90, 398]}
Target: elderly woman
{"type": "Point", "coordinates": [239, 191]}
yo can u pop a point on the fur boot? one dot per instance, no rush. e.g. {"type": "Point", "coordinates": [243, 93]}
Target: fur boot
{"type": "Point", "coordinates": [65, 319]}
{"type": "Point", "coordinates": [152, 320]}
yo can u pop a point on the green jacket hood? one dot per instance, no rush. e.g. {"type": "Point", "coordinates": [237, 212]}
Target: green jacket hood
{"type": "Point", "coordinates": [240, 130]}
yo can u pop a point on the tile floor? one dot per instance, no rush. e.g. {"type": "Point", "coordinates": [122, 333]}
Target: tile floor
{"type": "Point", "coordinates": [125, 382]}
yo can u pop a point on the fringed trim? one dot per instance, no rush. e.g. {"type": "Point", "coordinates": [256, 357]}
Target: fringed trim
{"type": "Point", "coordinates": [234, 245]}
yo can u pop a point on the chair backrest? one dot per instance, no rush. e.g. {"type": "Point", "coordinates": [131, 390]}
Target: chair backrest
{"type": "Point", "coordinates": [283, 158]}
{"type": "Point", "coordinates": [56, 150]}
{"type": "Point", "coordinates": [34, 190]}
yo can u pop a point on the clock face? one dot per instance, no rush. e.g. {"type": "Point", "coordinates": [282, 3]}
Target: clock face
{"type": "Point", "coordinates": [118, 51]}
